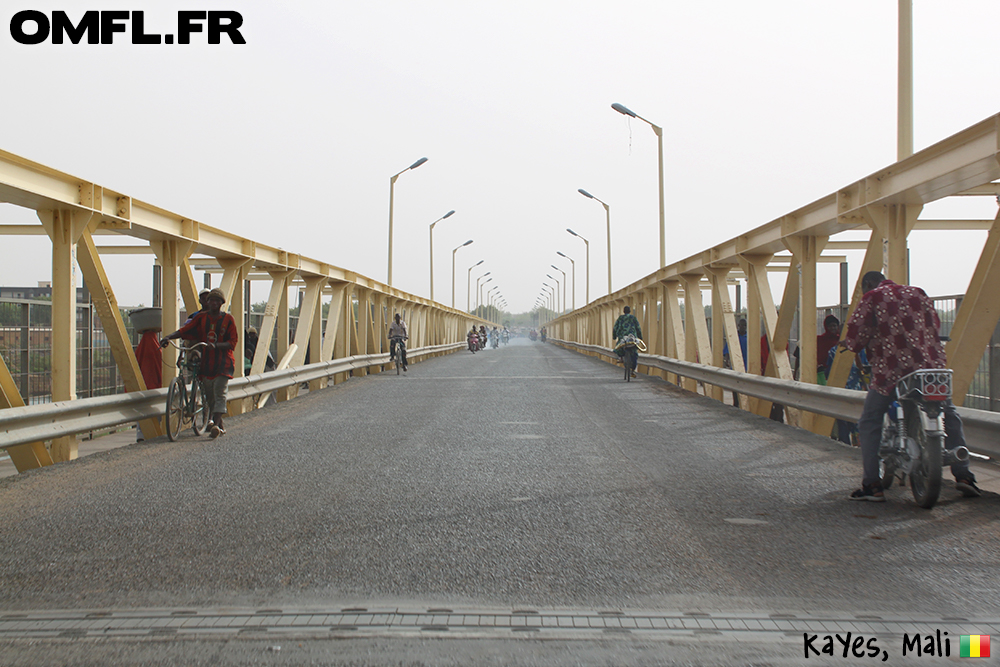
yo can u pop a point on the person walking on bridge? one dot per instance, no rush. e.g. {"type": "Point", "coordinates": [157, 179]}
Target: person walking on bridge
{"type": "Point", "coordinates": [218, 330]}
{"type": "Point", "coordinates": [627, 325]}
{"type": "Point", "coordinates": [899, 326]}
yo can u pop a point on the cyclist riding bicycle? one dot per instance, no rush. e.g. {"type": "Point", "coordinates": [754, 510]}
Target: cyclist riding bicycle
{"type": "Point", "coordinates": [397, 334]}
{"type": "Point", "coordinates": [627, 325]}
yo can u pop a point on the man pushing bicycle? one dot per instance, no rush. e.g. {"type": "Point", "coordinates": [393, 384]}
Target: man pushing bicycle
{"type": "Point", "coordinates": [218, 331]}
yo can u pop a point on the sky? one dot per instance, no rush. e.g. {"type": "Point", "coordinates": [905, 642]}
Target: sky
{"type": "Point", "coordinates": [291, 138]}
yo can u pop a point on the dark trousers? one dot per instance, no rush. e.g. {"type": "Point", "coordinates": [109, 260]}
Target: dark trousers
{"type": "Point", "coordinates": [402, 350]}
{"type": "Point", "coordinates": [870, 435]}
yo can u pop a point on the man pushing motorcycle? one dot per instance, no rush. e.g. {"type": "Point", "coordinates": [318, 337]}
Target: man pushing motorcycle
{"type": "Point", "coordinates": [899, 326]}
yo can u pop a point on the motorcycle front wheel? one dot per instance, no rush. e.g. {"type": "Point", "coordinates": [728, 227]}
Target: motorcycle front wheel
{"type": "Point", "coordinates": [925, 477]}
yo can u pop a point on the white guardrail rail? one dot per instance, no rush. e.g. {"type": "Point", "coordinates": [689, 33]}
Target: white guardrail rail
{"type": "Point", "coordinates": [982, 427]}
{"type": "Point", "coordinates": [35, 423]}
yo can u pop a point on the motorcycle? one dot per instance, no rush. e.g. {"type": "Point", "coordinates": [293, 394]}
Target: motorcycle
{"type": "Point", "coordinates": [473, 342]}
{"type": "Point", "coordinates": [913, 435]}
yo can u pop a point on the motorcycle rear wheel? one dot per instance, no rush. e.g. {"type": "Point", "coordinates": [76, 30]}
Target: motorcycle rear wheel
{"type": "Point", "coordinates": [925, 477]}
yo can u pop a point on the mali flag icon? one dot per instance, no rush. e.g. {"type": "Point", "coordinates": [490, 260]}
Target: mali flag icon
{"type": "Point", "coordinates": [975, 646]}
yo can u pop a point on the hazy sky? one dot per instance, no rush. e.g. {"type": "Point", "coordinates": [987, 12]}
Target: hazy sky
{"type": "Point", "coordinates": [291, 139]}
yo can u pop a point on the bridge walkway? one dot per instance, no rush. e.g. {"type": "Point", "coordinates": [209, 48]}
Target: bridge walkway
{"type": "Point", "coordinates": [528, 477]}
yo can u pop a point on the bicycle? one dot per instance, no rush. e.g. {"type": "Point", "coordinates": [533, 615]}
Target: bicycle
{"type": "Point", "coordinates": [186, 405]}
{"type": "Point", "coordinates": [630, 347]}
{"type": "Point", "coordinates": [400, 350]}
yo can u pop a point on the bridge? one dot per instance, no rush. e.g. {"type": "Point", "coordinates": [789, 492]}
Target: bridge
{"type": "Point", "coordinates": [526, 489]}
{"type": "Point", "coordinates": [525, 500]}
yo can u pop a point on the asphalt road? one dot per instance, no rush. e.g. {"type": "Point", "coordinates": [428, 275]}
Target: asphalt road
{"type": "Point", "coordinates": [528, 477]}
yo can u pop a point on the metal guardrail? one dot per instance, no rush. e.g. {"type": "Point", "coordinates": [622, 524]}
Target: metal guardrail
{"type": "Point", "coordinates": [34, 423]}
{"type": "Point", "coordinates": [982, 428]}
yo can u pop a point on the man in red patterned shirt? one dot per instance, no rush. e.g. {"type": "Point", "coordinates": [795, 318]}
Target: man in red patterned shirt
{"type": "Point", "coordinates": [899, 326]}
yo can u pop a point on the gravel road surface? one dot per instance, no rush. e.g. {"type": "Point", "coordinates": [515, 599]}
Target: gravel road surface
{"type": "Point", "coordinates": [528, 477]}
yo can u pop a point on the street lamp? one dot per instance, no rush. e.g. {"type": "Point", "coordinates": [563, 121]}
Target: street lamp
{"type": "Point", "coordinates": [480, 301]}
{"type": "Point", "coordinates": [453, 271]}
{"type": "Point", "coordinates": [659, 140]}
{"type": "Point", "coordinates": [468, 285]}
{"type": "Point", "coordinates": [556, 281]}
{"type": "Point", "coordinates": [563, 284]}
{"type": "Point", "coordinates": [548, 295]}
{"type": "Point", "coordinates": [446, 215]}
{"type": "Point", "coordinates": [489, 298]}
{"type": "Point", "coordinates": [588, 259]}
{"type": "Point", "coordinates": [574, 275]}
{"type": "Point", "coordinates": [607, 209]}
{"type": "Point", "coordinates": [477, 288]}
{"type": "Point", "coordinates": [392, 185]}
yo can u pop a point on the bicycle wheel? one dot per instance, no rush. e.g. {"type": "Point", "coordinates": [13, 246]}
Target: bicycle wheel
{"type": "Point", "coordinates": [399, 362]}
{"type": "Point", "coordinates": [925, 477]}
{"type": "Point", "coordinates": [198, 407]}
{"type": "Point", "coordinates": [176, 400]}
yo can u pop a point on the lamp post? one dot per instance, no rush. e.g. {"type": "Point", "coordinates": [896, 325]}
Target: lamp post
{"type": "Point", "coordinates": [607, 210]}
{"type": "Point", "coordinates": [453, 271]}
{"type": "Point", "coordinates": [556, 281]}
{"type": "Point", "coordinates": [477, 288]}
{"type": "Point", "coordinates": [446, 215]}
{"type": "Point", "coordinates": [480, 300]}
{"type": "Point", "coordinates": [587, 243]}
{"type": "Point", "coordinates": [392, 185]}
{"type": "Point", "coordinates": [659, 140]}
{"type": "Point", "coordinates": [563, 284]}
{"type": "Point", "coordinates": [549, 292]}
{"type": "Point", "coordinates": [489, 298]}
{"type": "Point", "coordinates": [468, 285]}
{"type": "Point", "coordinates": [573, 275]}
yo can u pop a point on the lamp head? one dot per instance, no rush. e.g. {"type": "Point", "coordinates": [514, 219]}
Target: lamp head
{"type": "Point", "coordinates": [622, 109]}
{"type": "Point", "coordinates": [560, 254]}
{"type": "Point", "coordinates": [466, 243]}
{"type": "Point", "coordinates": [585, 193]}
{"type": "Point", "coordinates": [417, 163]}
{"type": "Point", "coordinates": [476, 264]}
{"type": "Point", "coordinates": [448, 215]}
